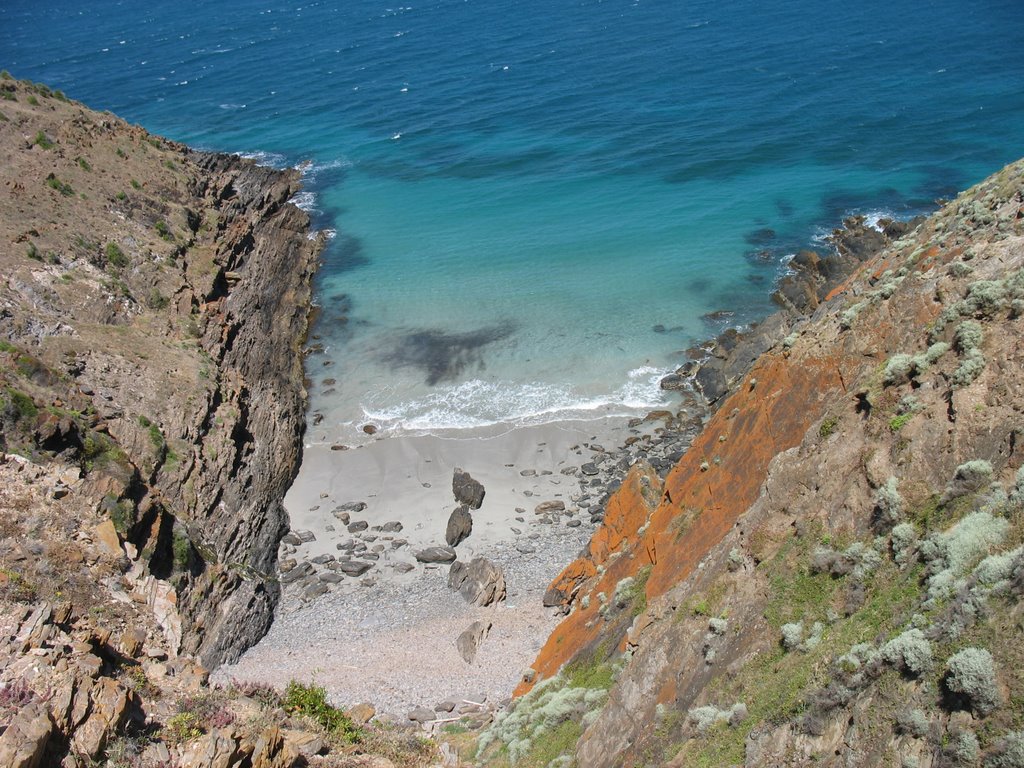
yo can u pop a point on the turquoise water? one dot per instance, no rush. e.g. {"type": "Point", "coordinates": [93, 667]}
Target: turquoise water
{"type": "Point", "coordinates": [536, 203]}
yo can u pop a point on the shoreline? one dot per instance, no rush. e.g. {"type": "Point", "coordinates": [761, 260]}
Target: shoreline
{"type": "Point", "coordinates": [388, 637]}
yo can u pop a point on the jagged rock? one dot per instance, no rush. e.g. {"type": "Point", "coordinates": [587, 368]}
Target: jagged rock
{"type": "Point", "coordinates": [590, 469]}
{"type": "Point", "coordinates": [469, 641]}
{"type": "Point", "coordinates": [355, 567]}
{"type": "Point", "coordinates": [547, 507]}
{"type": "Point", "coordinates": [422, 715]}
{"type": "Point", "coordinates": [467, 490]}
{"type": "Point", "coordinates": [306, 743]}
{"type": "Point", "coordinates": [299, 572]}
{"type": "Point", "coordinates": [673, 382]}
{"type": "Point", "coordinates": [393, 527]}
{"type": "Point", "coordinates": [107, 537]}
{"type": "Point", "coordinates": [460, 525]}
{"type": "Point", "coordinates": [361, 713]}
{"type": "Point", "coordinates": [331, 578]}
{"type": "Point", "coordinates": [404, 567]}
{"type": "Point", "coordinates": [23, 743]}
{"type": "Point", "coordinates": [132, 640]}
{"type": "Point", "coordinates": [436, 555]}
{"type": "Point", "coordinates": [108, 709]}
{"type": "Point", "coordinates": [351, 506]}
{"type": "Point", "coordinates": [359, 525]}
{"type": "Point", "coordinates": [481, 582]}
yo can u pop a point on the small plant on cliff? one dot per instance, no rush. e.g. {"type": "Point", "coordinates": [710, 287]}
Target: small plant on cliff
{"type": "Point", "coordinates": [42, 141]}
{"type": "Point", "coordinates": [60, 186]}
{"type": "Point", "coordinates": [971, 674]}
{"type": "Point", "coordinates": [182, 727]}
{"type": "Point", "coordinates": [115, 256]}
{"type": "Point", "coordinates": [163, 230]}
{"type": "Point", "coordinates": [898, 369]}
{"type": "Point", "coordinates": [1008, 752]}
{"type": "Point", "coordinates": [311, 701]}
{"type": "Point", "coordinates": [888, 509]}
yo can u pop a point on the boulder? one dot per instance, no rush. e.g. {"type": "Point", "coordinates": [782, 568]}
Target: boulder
{"type": "Point", "coordinates": [361, 714]}
{"type": "Point", "coordinates": [24, 742]}
{"type": "Point", "coordinates": [672, 382]}
{"type": "Point", "coordinates": [469, 641]}
{"type": "Point", "coordinates": [436, 555]}
{"type": "Point", "coordinates": [359, 525]}
{"type": "Point", "coordinates": [460, 525]}
{"type": "Point", "coordinates": [481, 582]}
{"type": "Point", "coordinates": [422, 715]}
{"type": "Point", "coordinates": [109, 701]}
{"type": "Point", "coordinates": [355, 567]}
{"type": "Point", "coordinates": [547, 507]}
{"type": "Point", "coordinates": [467, 490]}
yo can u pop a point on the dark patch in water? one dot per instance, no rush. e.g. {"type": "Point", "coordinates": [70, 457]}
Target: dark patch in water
{"type": "Point", "coordinates": [699, 286]}
{"type": "Point", "coordinates": [762, 236]}
{"type": "Point", "coordinates": [344, 254]}
{"type": "Point", "coordinates": [784, 207]}
{"type": "Point", "coordinates": [444, 356]}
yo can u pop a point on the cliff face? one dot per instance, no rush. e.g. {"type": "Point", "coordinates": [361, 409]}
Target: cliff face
{"type": "Point", "coordinates": [152, 310]}
{"type": "Point", "coordinates": [799, 588]}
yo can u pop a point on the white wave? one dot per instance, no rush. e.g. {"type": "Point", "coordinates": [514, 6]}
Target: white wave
{"type": "Point", "coordinates": [232, 106]}
{"type": "Point", "coordinates": [304, 200]}
{"type": "Point", "coordinates": [272, 159]}
{"type": "Point", "coordinates": [478, 403]}
{"type": "Point", "coordinates": [873, 218]}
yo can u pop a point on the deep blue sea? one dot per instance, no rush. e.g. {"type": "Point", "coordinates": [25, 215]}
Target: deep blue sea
{"type": "Point", "coordinates": [535, 203]}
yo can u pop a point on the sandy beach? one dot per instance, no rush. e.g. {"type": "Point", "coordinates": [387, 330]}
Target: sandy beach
{"type": "Point", "coordinates": [388, 636]}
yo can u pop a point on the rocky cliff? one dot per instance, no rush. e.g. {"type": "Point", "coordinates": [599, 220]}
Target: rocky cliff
{"type": "Point", "coordinates": [832, 573]}
{"type": "Point", "coordinates": [152, 309]}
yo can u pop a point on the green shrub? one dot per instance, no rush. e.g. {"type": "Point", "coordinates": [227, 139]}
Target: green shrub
{"type": "Point", "coordinates": [61, 186]}
{"type": "Point", "coordinates": [828, 426]}
{"type": "Point", "coordinates": [182, 727]}
{"type": "Point", "coordinates": [913, 722]}
{"type": "Point", "coordinates": [896, 423]}
{"type": "Point", "coordinates": [898, 369]}
{"type": "Point", "coordinates": [705, 718]}
{"type": "Point", "coordinates": [33, 253]}
{"type": "Point", "coordinates": [84, 164]}
{"type": "Point", "coordinates": [136, 185]}
{"type": "Point", "coordinates": [971, 674]}
{"type": "Point", "coordinates": [888, 509]}
{"type": "Point", "coordinates": [115, 256]}
{"type": "Point", "coordinates": [970, 368]}
{"type": "Point", "coordinates": [968, 336]}
{"type": "Point", "coordinates": [1008, 753]}
{"type": "Point", "coordinates": [950, 554]}
{"type": "Point", "coordinates": [311, 701]}
{"type": "Point", "coordinates": [42, 141]}
{"type": "Point", "coordinates": [20, 406]}
{"type": "Point", "coordinates": [163, 230]}
{"type": "Point", "coordinates": [122, 196]}
{"type": "Point", "coordinates": [33, 101]}
{"type": "Point", "coordinates": [910, 652]}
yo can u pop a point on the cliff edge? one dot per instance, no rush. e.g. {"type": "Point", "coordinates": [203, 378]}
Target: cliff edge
{"type": "Point", "coordinates": [152, 310]}
{"type": "Point", "coordinates": [832, 573]}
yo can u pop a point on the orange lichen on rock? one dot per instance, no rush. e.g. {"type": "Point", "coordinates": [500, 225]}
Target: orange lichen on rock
{"type": "Point", "coordinates": [713, 484]}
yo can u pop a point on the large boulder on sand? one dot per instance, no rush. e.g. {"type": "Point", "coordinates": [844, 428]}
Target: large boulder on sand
{"type": "Point", "coordinates": [460, 525]}
{"type": "Point", "coordinates": [481, 582]}
{"type": "Point", "coordinates": [436, 555]}
{"type": "Point", "coordinates": [467, 490]}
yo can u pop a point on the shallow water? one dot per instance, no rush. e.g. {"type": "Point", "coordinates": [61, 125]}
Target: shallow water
{"type": "Point", "coordinates": [536, 203]}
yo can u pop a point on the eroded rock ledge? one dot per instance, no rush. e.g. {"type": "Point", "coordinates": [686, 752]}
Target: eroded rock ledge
{"type": "Point", "coordinates": [152, 312]}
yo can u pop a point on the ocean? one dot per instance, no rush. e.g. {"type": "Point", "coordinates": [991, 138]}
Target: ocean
{"type": "Point", "coordinates": [537, 207]}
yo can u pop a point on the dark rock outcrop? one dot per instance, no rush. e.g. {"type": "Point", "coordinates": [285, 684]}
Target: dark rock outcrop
{"type": "Point", "coordinates": [460, 525]}
{"type": "Point", "coordinates": [467, 490]}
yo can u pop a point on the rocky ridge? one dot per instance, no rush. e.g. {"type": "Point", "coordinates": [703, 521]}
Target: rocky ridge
{"type": "Point", "coordinates": [836, 554]}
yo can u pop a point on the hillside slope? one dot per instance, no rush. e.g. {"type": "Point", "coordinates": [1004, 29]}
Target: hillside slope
{"type": "Point", "coordinates": [832, 574]}
{"type": "Point", "coordinates": [152, 310]}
